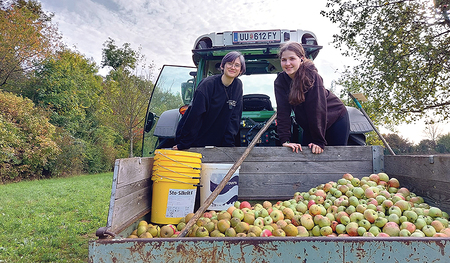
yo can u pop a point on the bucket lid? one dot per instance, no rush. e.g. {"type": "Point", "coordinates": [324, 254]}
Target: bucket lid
{"type": "Point", "coordinates": [178, 153]}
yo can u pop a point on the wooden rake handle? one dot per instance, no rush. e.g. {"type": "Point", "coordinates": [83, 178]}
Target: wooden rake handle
{"type": "Point", "coordinates": [225, 180]}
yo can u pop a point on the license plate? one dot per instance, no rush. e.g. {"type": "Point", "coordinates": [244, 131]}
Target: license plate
{"type": "Point", "coordinates": [269, 36]}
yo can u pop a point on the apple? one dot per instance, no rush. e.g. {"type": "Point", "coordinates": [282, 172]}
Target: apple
{"type": "Point", "coordinates": [438, 226]}
{"type": "Point", "coordinates": [395, 210]}
{"type": "Point", "coordinates": [352, 229]}
{"type": "Point", "coordinates": [324, 221]}
{"type": "Point", "coordinates": [361, 231]}
{"type": "Point", "coordinates": [355, 182]}
{"type": "Point", "coordinates": [263, 213]}
{"type": "Point", "coordinates": [408, 226]}
{"type": "Point", "coordinates": [365, 223]}
{"type": "Point", "coordinates": [340, 229]}
{"type": "Point", "coordinates": [255, 230]}
{"type": "Point", "coordinates": [345, 220]}
{"type": "Point", "coordinates": [370, 215]}
{"type": "Point", "coordinates": [249, 218]}
{"type": "Point", "coordinates": [356, 217]}
{"type": "Point", "coordinates": [210, 226]}
{"type": "Point", "coordinates": [307, 221]}
{"type": "Point", "coordinates": [383, 177]}
{"type": "Point", "coordinates": [420, 223]}
{"type": "Point", "coordinates": [266, 233]}
{"type": "Point", "coordinates": [411, 215]}
{"type": "Point", "coordinates": [404, 233]}
{"type": "Point", "coordinates": [375, 230]}
{"type": "Point", "coordinates": [404, 192]}
{"type": "Point", "coordinates": [393, 182]}
{"type": "Point", "coordinates": [223, 215]}
{"type": "Point", "coordinates": [202, 232]}
{"type": "Point", "coordinates": [268, 220]}
{"type": "Point", "coordinates": [288, 213]}
{"type": "Point", "coordinates": [281, 223]}
{"type": "Point", "coordinates": [358, 192]}
{"type": "Point", "coordinates": [382, 235]}
{"type": "Point", "coordinates": [267, 204]}
{"type": "Point", "coordinates": [350, 209]}
{"type": "Point", "coordinates": [434, 212]}
{"type": "Point", "coordinates": [302, 231]}
{"type": "Point", "coordinates": [223, 225]}
{"type": "Point", "coordinates": [245, 204]}
{"type": "Point", "coordinates": [290, 230]}
{"type": "Point", "coordinates": [242, 227]}
{"type": "Point", "coordinates": [314, 210]}
{"type": "Point", "coordinates": [380, 222]}
{"type": "Point", "coordinates": [168, 231]}
{"type": "Point", "coordinates": [326, 231]}
{"type": "Point", "coordinates": [429, 230]}
{"type": "Point", "coordinates": [392, 229]}
{"type": "Point", "coordinates": [404, 205]}
{"type": "Point", "coordinates": [238, 213]}
{"type": "Point", "coordinates": [276, 215]}
{"type": "Point", "coordinates": [279, 232]}
{"type": "Point", "coordinates": [361, 208]}
{"type": "Point", "coordinates": [374, 177]}
{"type": "Point", "coordinates": [394, 218]}
{"type": "Point", "coordinates": [418, 233]}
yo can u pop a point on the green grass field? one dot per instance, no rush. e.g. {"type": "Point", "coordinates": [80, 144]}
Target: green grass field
{"type": "Point", "coordinates": [52, 220]}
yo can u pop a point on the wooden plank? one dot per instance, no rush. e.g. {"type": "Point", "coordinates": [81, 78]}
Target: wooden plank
{"type": "Point", "coordinates": [127, 189]}
{"type": "Point", "coordinates": [361, 167]}
{"type": "Point", "coordinates": [283, 154]}
{"type": "Point", "coordinates": [132, 170]}
{"type": "Point", "coordinates": [129, 207]}
{"type": "Point", "coordinates": [425, 175]}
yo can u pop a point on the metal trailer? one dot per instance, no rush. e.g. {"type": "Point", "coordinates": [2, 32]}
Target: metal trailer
{"type": "Point", "coordinates": [275, 173]}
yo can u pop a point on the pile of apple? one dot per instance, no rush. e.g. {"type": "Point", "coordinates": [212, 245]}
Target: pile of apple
{"type": "Point", "coordinates": [373, 206]}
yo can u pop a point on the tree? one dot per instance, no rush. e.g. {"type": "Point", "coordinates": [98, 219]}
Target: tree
{"type": "Point", "coordinates": [26, 140]}
{"type": "Point", "coordinates": [127, 91]}
{"type": "Point", "coordinates": [27, 38]}
{"type": "Point", "coordinates": [444, 143]}
{"type": "Point", "coordinates": [398, 144]}
{"type": "Point", "coordinates": [402, 55]}
{"type": "Point", "coordinates": [432, 131]}
{"type": "Point", "coordinates": [116, 57]}
{"type": "Point", "coordinates": [69, 87]}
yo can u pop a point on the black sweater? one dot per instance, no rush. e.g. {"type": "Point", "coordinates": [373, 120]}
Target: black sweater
{"type": "Point", "coordinates": [316, 114]}
{"type": "Point", "coordinates": [209, 121]}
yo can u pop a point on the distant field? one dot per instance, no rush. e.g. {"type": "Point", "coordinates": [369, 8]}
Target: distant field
{"type": "Point", "coordinates": [52, 220]}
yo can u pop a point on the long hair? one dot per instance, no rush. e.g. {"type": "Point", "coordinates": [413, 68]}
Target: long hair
{"type": "Point", "coordinates": [304, 77]}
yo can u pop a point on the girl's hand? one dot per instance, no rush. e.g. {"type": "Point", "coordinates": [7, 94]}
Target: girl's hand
{"type": "Point", "coordinates": [175, 147]}
{"type": "Point", "coordinates": [315, 148]}
{"type": "Point", "coordinates": [295, 146]}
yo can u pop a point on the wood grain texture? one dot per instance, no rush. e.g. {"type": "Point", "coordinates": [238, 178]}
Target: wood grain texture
{"type": "Point", "coordinates": [425, 175]}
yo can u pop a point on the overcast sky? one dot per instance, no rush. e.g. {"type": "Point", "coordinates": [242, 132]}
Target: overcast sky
{"type": "Point", "coordinates": [167, 29]}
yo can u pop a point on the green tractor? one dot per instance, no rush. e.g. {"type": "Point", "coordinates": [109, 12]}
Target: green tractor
{"type": "Point", "coordinates": [175, 86]}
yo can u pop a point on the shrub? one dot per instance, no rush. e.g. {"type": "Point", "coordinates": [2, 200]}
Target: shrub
{"type": "Point", "coordinates": [26, 139]}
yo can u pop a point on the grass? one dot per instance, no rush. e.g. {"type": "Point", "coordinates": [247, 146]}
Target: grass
{"type": "Point", "coordinates": [52, 220]}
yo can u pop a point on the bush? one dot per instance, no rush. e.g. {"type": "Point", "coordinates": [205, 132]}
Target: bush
{"type": "Point", "coordinates": [26, 139]}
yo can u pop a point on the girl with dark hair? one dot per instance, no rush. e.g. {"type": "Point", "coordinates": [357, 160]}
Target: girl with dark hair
{"type": "Point", "coordinates": [214, 116]}
{"type": "Point", "coordinates": [299, 89]}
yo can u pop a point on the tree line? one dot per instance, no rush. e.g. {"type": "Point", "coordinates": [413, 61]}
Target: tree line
{"type": "Point", "coordinates": [58, 115]}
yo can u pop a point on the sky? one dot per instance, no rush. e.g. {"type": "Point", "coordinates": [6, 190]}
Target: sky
{"type": "Point", "coordinates": [166, 30]}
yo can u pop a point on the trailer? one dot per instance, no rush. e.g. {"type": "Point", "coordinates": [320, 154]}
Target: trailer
{"type": "Point", "coordinates": [275, 173]}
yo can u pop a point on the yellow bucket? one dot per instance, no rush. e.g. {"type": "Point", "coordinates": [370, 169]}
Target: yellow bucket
{"type": "Point", "coordinates": [176, 176]}
{"type": "Point", "coordinates": [172, 199]}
